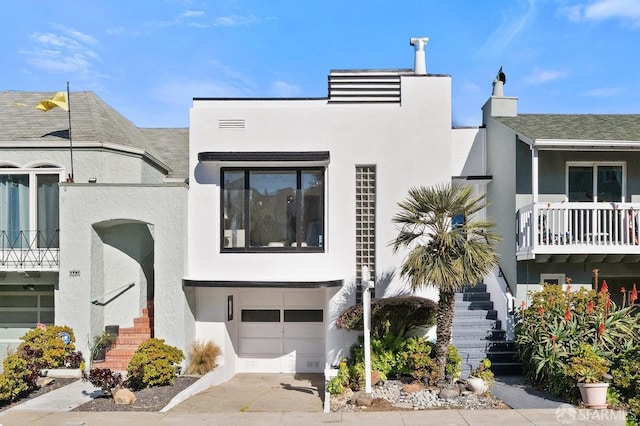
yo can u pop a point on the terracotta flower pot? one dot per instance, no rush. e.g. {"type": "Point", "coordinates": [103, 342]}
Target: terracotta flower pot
{"type": "Point", "coordinates": [594, 395]}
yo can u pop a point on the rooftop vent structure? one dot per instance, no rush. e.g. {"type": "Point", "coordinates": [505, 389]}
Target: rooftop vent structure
{"type": "Point", "coordinates": [420, 62]}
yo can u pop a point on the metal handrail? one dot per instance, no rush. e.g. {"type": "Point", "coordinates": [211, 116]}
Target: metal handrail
{"type": "Point", "coordinates": [25, 249]}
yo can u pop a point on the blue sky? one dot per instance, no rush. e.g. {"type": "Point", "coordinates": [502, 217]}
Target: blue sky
{"type": "Point", "coordinates": [149, 59]}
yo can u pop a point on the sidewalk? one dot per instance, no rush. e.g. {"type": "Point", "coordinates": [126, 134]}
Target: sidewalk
{"type": "Point", "coordinates": [286, 399]}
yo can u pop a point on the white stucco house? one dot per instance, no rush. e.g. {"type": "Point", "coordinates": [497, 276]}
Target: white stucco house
{"type": "Point", "coordinates": [290, 198]}
{"type": "Point", "coordinates": [100, 250]}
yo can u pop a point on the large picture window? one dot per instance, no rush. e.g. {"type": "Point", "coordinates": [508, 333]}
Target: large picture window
{"type": "Point", "coordinates": [273, 209]}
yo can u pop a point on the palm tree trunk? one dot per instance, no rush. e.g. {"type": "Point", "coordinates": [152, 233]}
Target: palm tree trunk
{"type": "Point", "coordinates": [444, 320]}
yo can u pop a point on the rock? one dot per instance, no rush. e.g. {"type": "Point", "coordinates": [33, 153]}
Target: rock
{"type": "Point", "coordinates": [362, 399]}
{"type": "Point", "coordinates": [124, 397]}
{"type": "Point", "coordinates": [44, 381]}
{"type": "Point", "coordinates": [375, 376]}
{"type": "Point", "coordinates": [449, 393]}
{"type": "Point", "coordinates": [412, 388]}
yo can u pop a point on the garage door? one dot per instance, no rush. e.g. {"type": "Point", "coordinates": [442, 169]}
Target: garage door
{"type": "Point", "coordinates": [281, 332]}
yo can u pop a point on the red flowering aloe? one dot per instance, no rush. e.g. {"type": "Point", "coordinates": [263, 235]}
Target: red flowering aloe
{"type": "Point", "coordinates": [601, 329]}
{"type": "Point", "coordinates": [567, 315]}
{"type": "Point", "coordinates": [634, 295]}
{"type": "Point", "coordinates": [605, 287]}
{"type": "Point", "coordinates": [590, 307]}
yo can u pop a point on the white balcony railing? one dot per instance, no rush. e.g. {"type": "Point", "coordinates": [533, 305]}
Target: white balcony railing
{"type": "Point", "coordinates": [578, 228]}
{"type": "Point", "coordinates": [29, 250]}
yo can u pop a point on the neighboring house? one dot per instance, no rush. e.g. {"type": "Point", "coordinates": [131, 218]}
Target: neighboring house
{"type": "Point", "coordinates": [290, 198]}
{"type": "Point", "coordinates": [97, 251]}
{"type": "Point", "coordinates": [566, 193]}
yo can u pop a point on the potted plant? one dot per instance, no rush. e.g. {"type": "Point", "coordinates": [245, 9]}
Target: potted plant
{"type": "Point", "coordinates": [101, 343]}
{"type": "Point", "coordinates": [589, 369]}
{"type": "Point", "coordinates": [481, 379]}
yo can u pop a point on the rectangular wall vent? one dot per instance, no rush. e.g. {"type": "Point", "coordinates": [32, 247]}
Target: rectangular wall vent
{"type": "Point", "coordinates": [231, 124]}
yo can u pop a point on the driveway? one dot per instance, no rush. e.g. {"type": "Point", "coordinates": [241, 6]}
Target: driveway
{"type": "Point", "coordinates": [259, 393]}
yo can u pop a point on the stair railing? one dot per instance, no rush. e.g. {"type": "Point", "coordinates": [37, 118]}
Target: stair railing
{"type": "Point", "coordinates": [116, 293]}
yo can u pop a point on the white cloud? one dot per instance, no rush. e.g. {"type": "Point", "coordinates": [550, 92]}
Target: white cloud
{"type": "Point", "coordinates": [66, 51]}
{"type": "Point", "coordinates": [282, 89]}
{"type": "Point", "coordinates": [603, 92]}
{"type": "Point", "coordinates": [191, 13]}
{"type": "Point", "coordinates": [540, 76]}
{"type": "Point", "coordinates": [509, 29]}
{"type": "Point", "coordinates": [236, 20]}
{"type": "Point", "coordinates": [626, 11]}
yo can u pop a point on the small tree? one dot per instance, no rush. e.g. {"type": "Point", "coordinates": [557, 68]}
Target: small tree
{"type": "Point", "coordinates": [448, 248]}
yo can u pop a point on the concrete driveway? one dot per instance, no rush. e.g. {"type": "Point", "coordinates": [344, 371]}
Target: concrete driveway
{"type": "Point", "coordinates": [259, 393]}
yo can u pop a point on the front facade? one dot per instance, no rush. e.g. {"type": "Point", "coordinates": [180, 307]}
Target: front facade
{"type": "Point", "coordinates": [290, 198]}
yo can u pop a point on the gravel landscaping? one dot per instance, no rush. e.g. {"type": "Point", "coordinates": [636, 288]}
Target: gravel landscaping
{"type": "Point", "coordinates": [392, 396]}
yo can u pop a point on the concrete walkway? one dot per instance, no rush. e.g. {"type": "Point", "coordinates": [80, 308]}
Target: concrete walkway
{"type": "Point", "coordinates": [286, 399]}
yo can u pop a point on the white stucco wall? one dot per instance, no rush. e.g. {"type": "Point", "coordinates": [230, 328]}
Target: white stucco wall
{"type": "Point", "coordinates": [409, 143]}
{"type": "Point", "coordinates": [84, 205]}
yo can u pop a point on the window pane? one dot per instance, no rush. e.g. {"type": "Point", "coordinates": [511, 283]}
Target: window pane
{"type": "Point", "coordinates": [610, 183]}
{"type": "Point", "coordinates": [19, 317]}
{"type": "Point", "coordinates": [18, 301]}
{"type": "Point", "coordinates": [260, 315]}
{"type": "Point", "coordinates": [312, 208]}
{"type": "Point", "coordinates": [14, 210]}
{"type": "Point", "coordinates": [272, 208]}
{"type": "Point", "coordinates": [303, 315]}
{"type": "Point", "coordinates": [580, 183]}
{"type": "Point", "coordinates": [47, 317]}
{"type": "Point", "coordinates": [234, 234]}
{"type": "Point", "coordinates": [48, 212]}
{"type": "Point", "coordinates": [46, 301]}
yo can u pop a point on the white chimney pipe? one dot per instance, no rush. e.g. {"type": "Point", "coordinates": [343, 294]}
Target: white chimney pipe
{"type": "Point", "coordinates": [420, 62]}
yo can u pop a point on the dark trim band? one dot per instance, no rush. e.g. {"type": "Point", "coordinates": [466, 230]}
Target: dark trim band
{"type": "Point", "coordinates": [262, 284]}
{"type": "Point", "coordinates": [264, 156]}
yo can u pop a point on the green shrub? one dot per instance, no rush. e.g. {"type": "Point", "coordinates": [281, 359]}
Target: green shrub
{"type": "Point", "coordinates": [153, 364]}
{"type": "Point", "coordinates": [483, 371]}
{"type": "Point", "coordinates": [104, 379]}
{"type": "Point", "coordinates": [586, 366]}
{"type": "Point", "coordinates": [18, 377]}
{"type": "Point", "coordinates": [454, 360]}
{"type": "Point", "coordinates": [202, 357]}
{"type": "Point", "coordinates": [336, 385]}
{"type": "Point", "coordinates": [48, 340]}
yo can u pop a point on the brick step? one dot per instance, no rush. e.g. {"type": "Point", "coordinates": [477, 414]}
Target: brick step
{"type": "Point", "coordinates": [141, 322]}
{"type": "Point", "coordinates": [120, 352]}
{"type": "Point", "coordinates": [135, 330]}
{"type": "Point", "coordinates": [119, 358]}
{"type": "Point", "coordinates": [132, 340]}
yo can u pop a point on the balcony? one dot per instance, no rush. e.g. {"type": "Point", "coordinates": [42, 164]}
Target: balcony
{"type": "Point", "coordinates": [29, 250]}
{"type": "Point", "coordinates": [578, 232]}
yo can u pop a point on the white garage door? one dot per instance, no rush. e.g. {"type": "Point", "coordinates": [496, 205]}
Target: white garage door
{"type": "Point", "coordinates": [281, 331]}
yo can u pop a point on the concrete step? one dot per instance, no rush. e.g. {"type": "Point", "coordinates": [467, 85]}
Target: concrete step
{"type": "Point", "coordinates": [471, 297]}
{"type": "Point", "coordinates": [478, 288]}
{"type": "Point", "coordinates": [475, 305]}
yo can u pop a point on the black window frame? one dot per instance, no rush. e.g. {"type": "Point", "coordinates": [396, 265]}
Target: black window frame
{"type": "Point", "coordinates": [298, 248]}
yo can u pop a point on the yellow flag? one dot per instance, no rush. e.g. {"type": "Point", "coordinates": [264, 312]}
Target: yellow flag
{"type": "Point", "coordinates": [58, 100]}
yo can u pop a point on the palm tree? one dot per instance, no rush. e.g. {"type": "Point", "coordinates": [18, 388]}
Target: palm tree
{"type": "Point", "coordinates": [448, 248]}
